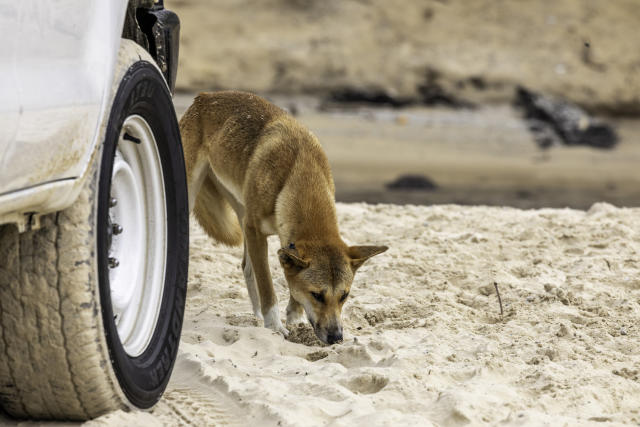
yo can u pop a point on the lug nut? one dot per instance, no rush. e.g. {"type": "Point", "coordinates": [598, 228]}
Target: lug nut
{"type": "Point", "coordinates": [112, 202]}
{"type": "Point", "coordinates": [116, 229]}
{"type": "Point", "coordinates": [113, 262]}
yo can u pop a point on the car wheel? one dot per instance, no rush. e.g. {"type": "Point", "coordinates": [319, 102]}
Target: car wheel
{"type": "Point", "coordinates": [91, 304]}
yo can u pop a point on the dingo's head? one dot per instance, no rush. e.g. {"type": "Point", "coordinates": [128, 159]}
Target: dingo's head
{"type": "Point", "coordinates": [320, 278]}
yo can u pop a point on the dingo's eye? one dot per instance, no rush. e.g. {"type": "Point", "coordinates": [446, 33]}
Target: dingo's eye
{"type": "Point", "coordinates": [318, 297]}
{"type": "Point", "coordinates": [344, 296]}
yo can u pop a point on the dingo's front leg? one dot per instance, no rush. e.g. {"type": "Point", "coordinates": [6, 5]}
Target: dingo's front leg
{"type": "Point", "coordinates": [252, 287]}
{"type": "Point", "coordinates": [257, 248]}
{"type": "Point", "coordinates": [295, 312]}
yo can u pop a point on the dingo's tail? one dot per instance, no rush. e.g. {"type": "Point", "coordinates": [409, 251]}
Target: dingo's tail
{"type": "Point", "coordinates": [216, 216]}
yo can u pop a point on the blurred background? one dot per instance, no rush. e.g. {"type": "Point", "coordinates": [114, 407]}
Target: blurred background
{"type": "Point", "coordinates": [518, 103]}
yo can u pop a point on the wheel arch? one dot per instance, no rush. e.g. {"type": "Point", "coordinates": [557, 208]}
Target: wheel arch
{"type": "Point", "coordinates": [25, 207]}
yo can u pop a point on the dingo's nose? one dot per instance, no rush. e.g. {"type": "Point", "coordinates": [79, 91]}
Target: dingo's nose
{"type": "Point", "coordinates": [334, 337]}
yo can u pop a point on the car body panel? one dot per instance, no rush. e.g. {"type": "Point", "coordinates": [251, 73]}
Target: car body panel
{"type": "Point", "coordinates": [57, 61]}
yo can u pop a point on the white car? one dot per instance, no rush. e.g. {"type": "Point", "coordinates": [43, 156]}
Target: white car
{"type": "Point", "coordinates": [94, 221]}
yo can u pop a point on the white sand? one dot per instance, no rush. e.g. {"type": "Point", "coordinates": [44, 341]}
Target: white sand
{"type": "Point", "coordinates": [424, 340]}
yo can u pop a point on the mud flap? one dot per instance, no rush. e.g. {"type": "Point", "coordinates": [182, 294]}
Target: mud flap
{"type": "Point", "coordinates": [157, 30]}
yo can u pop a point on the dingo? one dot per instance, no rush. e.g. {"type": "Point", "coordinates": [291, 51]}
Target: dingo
{"type": "Point", "coordinates": [246, 156]}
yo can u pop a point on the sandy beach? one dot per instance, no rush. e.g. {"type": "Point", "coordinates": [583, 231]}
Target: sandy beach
{"type": "Point", "coordinates": [425, 343]}
{"type": "Point", "coordinates": [510, 293]}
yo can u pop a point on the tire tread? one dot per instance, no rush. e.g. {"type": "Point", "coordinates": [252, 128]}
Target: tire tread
{"type": "Point", "coordinates": [55, 363]}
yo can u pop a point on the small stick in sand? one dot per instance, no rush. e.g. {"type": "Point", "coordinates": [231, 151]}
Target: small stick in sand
{"type": "Point", "coordinates": [495, 284]}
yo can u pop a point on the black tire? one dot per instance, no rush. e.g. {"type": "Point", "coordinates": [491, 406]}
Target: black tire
{"type": "Point", "coordinates": [60, 354]}
{"type": "Point", "coordinates": [143, 92]}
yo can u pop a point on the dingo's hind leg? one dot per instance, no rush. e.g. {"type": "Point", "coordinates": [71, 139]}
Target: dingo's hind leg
{"type": "Point", "coordinates": [196, 177]}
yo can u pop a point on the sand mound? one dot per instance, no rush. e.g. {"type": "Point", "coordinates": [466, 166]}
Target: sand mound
{"type": "Point", "coordinates": [303, 334]}
{"type": "Point", "coordinates": [424, 339]}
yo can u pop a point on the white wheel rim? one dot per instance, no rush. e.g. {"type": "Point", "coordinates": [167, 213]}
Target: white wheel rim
{"type": "Point", "coordinates": [137, 281]}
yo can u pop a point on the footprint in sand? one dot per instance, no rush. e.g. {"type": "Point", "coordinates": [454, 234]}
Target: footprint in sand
{"type": "Point", "coordinates": [353, 356]}
{"type": "Point", "coordinates": [230, 336]}
{"type": "Point", "coordinates": [316, 355]}
{"type": "Point", "coordinates": [358, 355]}
{"type": "Point", "coordinates": [366, 383]}
{"type": "Point", "coordinates": [242, 320]}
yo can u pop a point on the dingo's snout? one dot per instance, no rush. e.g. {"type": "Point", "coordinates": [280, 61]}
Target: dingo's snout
{"type": "Point", "coordinates": [334, 336]}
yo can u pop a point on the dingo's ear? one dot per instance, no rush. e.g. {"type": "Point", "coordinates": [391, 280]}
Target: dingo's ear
{"type": "Point", "coordinates": [290, 260]}
{"type": "Point", "coordinates": [359, 254]}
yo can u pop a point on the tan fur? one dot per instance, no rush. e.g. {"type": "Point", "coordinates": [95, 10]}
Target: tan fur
{"type": "Point", "coordinates": [216, 216]}
{"type": "Point", "coordinates": [246, 156]}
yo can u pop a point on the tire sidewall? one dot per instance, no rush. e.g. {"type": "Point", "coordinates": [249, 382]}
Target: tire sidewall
{"type": "Point", "coordinates": [142, 91]}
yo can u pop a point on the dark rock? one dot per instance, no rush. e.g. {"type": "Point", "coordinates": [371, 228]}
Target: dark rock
{"type": "Point", "coordinates": [478, 83]}
{"type": "Point", "coordinates": [432, 92]}
{"type": "Point", "coordinates": [412, 182]}
{"type": "Point", "coordinates": [548, 116]}
{"type": "Point", "coordinates": [367, 96]}
{"type": "Point", "coordinates": [544, 135]}
{"type": "Point", "coordinates": [524, 194]}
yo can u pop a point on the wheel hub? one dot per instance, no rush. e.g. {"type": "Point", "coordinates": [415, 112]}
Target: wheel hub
{"type": "Point", "coordinates": [136, 235]}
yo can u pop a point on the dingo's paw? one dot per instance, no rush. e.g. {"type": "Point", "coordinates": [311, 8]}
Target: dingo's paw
{"type": "Point", "coordinates": [273, 322]}
{"type": "Point", "coordinates": [294, 318]}
{"type": "Point", "coordinates": [282, 331]}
